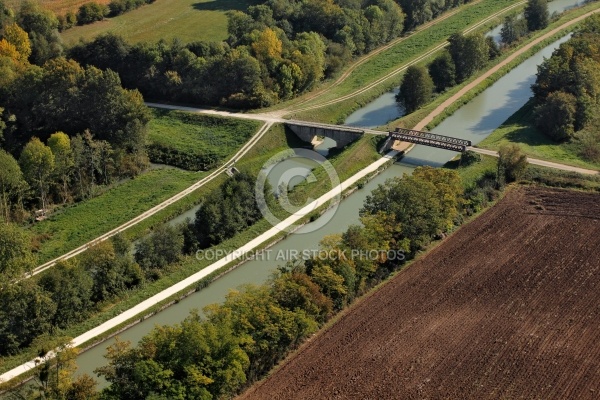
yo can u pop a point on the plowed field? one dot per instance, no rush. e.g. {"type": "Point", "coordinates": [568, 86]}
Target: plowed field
{"type": "Point", "coordinates": [507, 308]}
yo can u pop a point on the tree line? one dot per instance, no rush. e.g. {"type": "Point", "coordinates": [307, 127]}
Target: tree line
{"type": "Point", "coordinates": [234, 344]}
{"type": "Point", "coordinates": [567, 91]}
{"type": "Point", "coordinates": [274, 52]}
{"type": "Point", "coordinates": [464, 56]}
{"type": "Point", "coordinates": [92, 11]}
{"type": "Point", "coordinates": [73, 290]}
{"type": "Point", "coordinates": [229, 346]}
{"type": "Point", "coordinates": [70, 127]}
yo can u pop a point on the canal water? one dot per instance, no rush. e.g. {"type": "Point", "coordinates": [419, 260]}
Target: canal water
{"type": "Point", "coordinates": [555, 6]}
{"type": "Point", "coordinates": [473, 121]}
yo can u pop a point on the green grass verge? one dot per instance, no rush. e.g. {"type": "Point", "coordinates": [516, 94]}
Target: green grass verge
{"type": "Point", "coordinates": [197, 133]}
{"type": "Point", "coordinates": [519, 129]}
{"type": "Point", "coordinates": [412, 119]}
{"type": "Point", "coordinates": [76, 224]}
{"type": "Point", "coordinates": [79, 223]}
{"type": "Point", "coordinates": [186, 20]}
{"type": "Point", "coordinates": [197, 136]}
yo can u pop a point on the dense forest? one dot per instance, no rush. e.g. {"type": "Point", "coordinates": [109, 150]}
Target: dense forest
{"type": "Point", "coordinates": [64, 129]}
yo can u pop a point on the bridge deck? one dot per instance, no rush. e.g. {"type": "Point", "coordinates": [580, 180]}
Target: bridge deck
{"type": "Point", "coordinates": [430, 139]}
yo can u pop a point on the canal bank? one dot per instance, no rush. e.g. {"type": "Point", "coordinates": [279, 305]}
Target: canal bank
{"type": "Point", "coordinates": [257, 271]}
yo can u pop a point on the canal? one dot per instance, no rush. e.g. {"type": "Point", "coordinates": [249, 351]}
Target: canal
{"type": "Point", "coordinates": [473, 121]}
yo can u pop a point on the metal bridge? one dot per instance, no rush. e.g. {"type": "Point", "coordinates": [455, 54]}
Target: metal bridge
{"type": "Point", "coordinates": [430, 139]}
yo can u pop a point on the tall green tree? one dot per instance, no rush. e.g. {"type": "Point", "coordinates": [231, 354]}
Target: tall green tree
{"type": "Point", "coordinates": [555, 117]}
{"type": "Point", "coordinates": [161, 248]}
{"type": "Point", "coordinates": [12, 184]}
{"type": "Point", "coordinates": [70, 288]}
{"type": "Point", "coordinates": [16, 255]}
{"type": "Point", "coordinates": [26, 312]}
{"type": "Point", "coordinates": [536, 14]}
{"type": "Point", "coordinates": [416, 88]}
{"type": "Point", "coordinates": [42, 27]}
{"type": "Point", "coordinates": [60, 144]}
{"type": "Point", "coordinates": [469, 53]}
{"type": "Point", "coordinates": [443, 71]}
{"type": "Point", "coordinates": [422, 205]}
{"type": "Point", "coordinates": [513, 29]}
{"type": "Point", "coordinates": [37, 164]}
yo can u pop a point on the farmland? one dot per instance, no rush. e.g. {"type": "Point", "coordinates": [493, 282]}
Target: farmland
{"type": "Point", "coordinates": [505, 308]}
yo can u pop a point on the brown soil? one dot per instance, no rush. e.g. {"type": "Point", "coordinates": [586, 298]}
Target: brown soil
{"type": "Point", "coordinates": [508, 307]}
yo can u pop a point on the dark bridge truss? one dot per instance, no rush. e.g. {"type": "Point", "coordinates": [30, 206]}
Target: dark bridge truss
{"type": "Point", "coordinates": [430, 139]}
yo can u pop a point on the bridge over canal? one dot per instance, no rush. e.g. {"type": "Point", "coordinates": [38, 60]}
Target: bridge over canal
{"type": "Point", "coordinates": [344, 135]}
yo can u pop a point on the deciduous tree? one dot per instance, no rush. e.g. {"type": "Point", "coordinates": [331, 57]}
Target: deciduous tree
{"type": "Point", "coordinates": [536, 14]}
{"type": "Point", "coordinates": [512, 162]}
{"type": "Point", "coordinates": [416, 88]}
{"type": "Point", "coordinates": [12, 184]}
{"type": "Point", "coordinates": [37, 164]}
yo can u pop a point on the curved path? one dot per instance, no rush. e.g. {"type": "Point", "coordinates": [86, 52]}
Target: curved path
{"type": "Point", "coordinates": [247, 146]}
{"type": "Point", "coordinates": [147, 304]}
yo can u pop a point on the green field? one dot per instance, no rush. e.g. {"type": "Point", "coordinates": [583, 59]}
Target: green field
{"type": "Point", "coordinates": [519, 129]}
{"type": "Point", "coordinates": [187, 20]}
{"type": "Point", "coordinates": [199, 134]}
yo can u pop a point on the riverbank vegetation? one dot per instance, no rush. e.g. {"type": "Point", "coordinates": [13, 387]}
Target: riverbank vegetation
{"type": "Point", "coordinates": [410, 120]}
{"type": "Point", "coordinates": [561, 123]}
{"type": "Point", "coordinates": [258, 325]}
{"type": "Point", "coordinates": [387, 65]}
{"type": "Point", "coordinates": [144, 278]}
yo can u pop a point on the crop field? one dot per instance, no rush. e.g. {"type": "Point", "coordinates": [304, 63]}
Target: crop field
{"type": "Point", "coordinates": [187, 20]}
{"type": "Point", "coordinates": [505, 308]}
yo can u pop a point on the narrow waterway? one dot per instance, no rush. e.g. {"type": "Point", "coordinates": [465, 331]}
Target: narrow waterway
{"type": "Point", "coordinates": [554, 7]}
{"type": "Point", "coordinates": [473, 121]}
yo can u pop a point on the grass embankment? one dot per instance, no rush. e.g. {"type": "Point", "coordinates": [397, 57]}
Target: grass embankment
{"type": "Point", "coordinates": [411, 120]}
{"type": "Point", "coordinates": [390, 60]}
{"type": "Point", "coordinates": [186, 20]}
{"type": "Point", "coordinates": [277, 139]}
{"type": "Point", "coordinates": [520, 129]}
{"type": "Point", "coordinates": [79, 223]}
{"type": "Point", "coordinates": [193, 141]}
{"type": "Point", "coordinates": [198, 134]}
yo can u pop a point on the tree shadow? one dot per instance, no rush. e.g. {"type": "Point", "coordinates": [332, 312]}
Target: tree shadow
{"type": "Point", "coordinates": [225, 5]}
{"type": "Point", "coordinates": [499, 116]}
